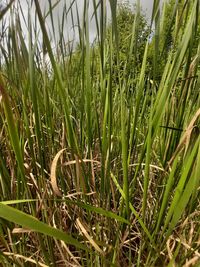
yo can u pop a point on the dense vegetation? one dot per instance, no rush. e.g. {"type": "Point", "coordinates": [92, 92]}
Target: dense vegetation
{"type": "Point", "coordinates": [100, 143]}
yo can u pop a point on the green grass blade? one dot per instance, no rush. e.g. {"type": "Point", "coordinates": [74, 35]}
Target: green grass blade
{"type": "Point", "coordinates": [178, 203]}
{"type": "Point", "coordinates": [99, 210]}
{"type": "Point", "coordinates": [133, 210]}
{"type": "Point", "coordinates": [25, 220]}
{"type": "Point", "coordinates": [12, 129]}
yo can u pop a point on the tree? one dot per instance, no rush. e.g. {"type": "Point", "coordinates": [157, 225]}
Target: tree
{"type": "Point", "coordinates": [133, 33]}
{"type": "Point", "coordinates": [172, 23]}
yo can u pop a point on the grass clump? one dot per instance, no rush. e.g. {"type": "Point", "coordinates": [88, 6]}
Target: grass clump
{"type": "Point", "coordinates": [99, 142]}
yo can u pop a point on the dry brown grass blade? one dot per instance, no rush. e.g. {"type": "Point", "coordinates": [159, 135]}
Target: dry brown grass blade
{"type": "Point", "coordinates": [79, 174]}
{"type": "Point", "coordinates": [83, 160]}
{"type": "Point", "coordinates": [80, 183]}
{"type": "Point", "coordinates": [70, 254]}
{"type": "Point", "coordinates": [192, 262]}
{"type": "Point", "coordinates": [89, 238]}
{"type": "Point", "coordinates": [188, 247]}
{"type": "Point", "coordinates": [26, 259]}
{"type": "Point", "coordinates": [78, 162]}
{"type": "Point", "coordinates": [186, 138]}
{"type": "Point", "coordinates": [21, 230]}
{"type": "Point", "coordinates": [53, 177]}
{"type": "Point", "coordinates": [170, 248]}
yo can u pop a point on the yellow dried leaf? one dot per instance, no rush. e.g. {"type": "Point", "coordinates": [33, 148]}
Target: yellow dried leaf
{"type": "Point", "coordinates": [53, 177]}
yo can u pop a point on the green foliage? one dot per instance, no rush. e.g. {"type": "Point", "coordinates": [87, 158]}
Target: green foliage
{"type": "Point", "coordinates": [133, 33]}
{"type": "Point", "coordinates": [99, 145]}
{"type": "Point", "coordinates": [172, 23]}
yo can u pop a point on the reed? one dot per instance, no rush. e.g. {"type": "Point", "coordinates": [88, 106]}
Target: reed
{"type": "Point", "coordinates": [99, 148]}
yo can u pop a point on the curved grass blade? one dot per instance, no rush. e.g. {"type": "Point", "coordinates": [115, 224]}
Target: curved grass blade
{"type": "Point", "coordinates": [98, 210]}
{"type": "Point", "coordinates": [28, 221]}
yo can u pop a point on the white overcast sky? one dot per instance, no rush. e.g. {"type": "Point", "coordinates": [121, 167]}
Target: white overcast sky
{"type": "Point", "coordinates": [70, 34]}
{"type": "Point", "coordinates": [146, 6]}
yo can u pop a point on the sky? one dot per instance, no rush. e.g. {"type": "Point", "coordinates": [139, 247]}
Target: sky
{"type": "Point", "coordinates": [70, 32]}
{"type": "Point", "coordinates": [146, 6]}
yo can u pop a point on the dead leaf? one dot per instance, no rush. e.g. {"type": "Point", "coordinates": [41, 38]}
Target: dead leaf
{"type": "Point", "coordinates": [53, 177]}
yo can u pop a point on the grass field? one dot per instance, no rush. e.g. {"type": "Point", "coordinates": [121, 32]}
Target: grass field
{"type": "Point", "coordinates": [99, 165]}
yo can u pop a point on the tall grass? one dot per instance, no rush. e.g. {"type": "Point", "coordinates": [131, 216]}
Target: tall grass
{"type": "Point", "coordinates": [99, 174]}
